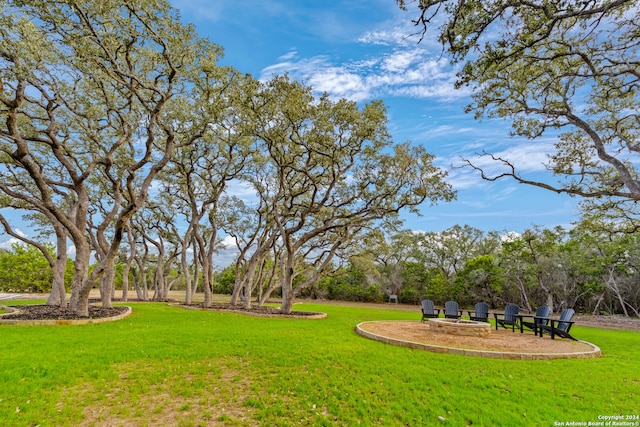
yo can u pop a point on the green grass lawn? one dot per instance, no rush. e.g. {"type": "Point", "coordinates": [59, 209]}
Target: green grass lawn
{"type": "Point", "coordinates": [169, 366]}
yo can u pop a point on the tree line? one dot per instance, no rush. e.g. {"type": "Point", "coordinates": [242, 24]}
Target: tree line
{"type": "Point", "coordinates": [123, 136]}
{"type": "Point", "coordinates": [580, 268]}
{"type": "Point", "coordinates": [592, 272]}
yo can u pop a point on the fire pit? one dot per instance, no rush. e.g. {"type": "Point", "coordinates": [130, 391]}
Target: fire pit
{"type": "Point", "coordinates": [460, 327]}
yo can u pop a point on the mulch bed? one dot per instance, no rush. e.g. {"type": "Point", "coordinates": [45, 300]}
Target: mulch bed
{"type": "Point", "coordinates": [254, 309]}
{"type": "Point", "coordinates": [51, 312]}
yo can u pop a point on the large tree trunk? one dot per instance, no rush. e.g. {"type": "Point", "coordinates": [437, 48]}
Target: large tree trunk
{"type": "Point", "coordinates": [79, 302]}
{"type": "Point", "coordinates": [160, 281]}
{"type": "Point", "coordinates": [206, 282]}
{"type": "Point", "coordinates": [125, 283]}
{"type": "Point", "coordinates": [141, 281]}
{"type": "Point", "coordinates": [244, 280]}
{"type": "Point", "coordinates": [106, 287]}
{"type": "Point", "coordinates": [287, 283]}
{"type": "Point", "coordinates": [104, 273]}
{"type": "Point", "coordinates": [188, 294]}
{"type": "Point", "coordinates": [206, 260]}
{"type": "Point", "coordinates": [196, 267]}
{"type": "Point", "coordinates": [184, 265]}
{"type": "Point", "coordinates": [136, 285]}
{"type": "Point", "coordinates": [127, 266]}
{"type": "Point", "coordinates": [56, 297]}
{"type": "Point", "coordinates": [125, 278]}
{"type": "Point", "coordinates": [58, 294]}
{"type": "Point", "coordinates": [145, 286]}
{"type": "Point", "coordinates": [265, 294]}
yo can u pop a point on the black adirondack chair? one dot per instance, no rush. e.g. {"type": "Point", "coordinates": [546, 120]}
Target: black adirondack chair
{"type": "Point", "coordinates": [541, 317]}
{"type": "Point", "coordinates": [560, 326]}
{"type": "Point", "coordinates": [428, 310]}
{"type": "Point", "coordinates": [508, 318]}
{"type": "Point", "coordinates": [481, 314]}
{"type": "Point", "coordinates": [451, 310]}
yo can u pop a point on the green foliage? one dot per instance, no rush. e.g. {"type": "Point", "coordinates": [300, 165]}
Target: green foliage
{"type": "Point", "coordinates": [25, 269]}
{"type": "Point", "coordinates": [438, 288]}
{"type": "Point", "coordinates": [410, 295]}
{"type": "Point", "coordinates": [225, 281]}
{"type": "Point", "coordinates": [480, 280]}
{"type": "Point", "coordinates": [414, 274]}
{"type": "Point", "coordinates": [583, 269]}
{"type": "Point", "coordinates": [343, 291]}
{"type": "Point", "coordinates": [350, 284]}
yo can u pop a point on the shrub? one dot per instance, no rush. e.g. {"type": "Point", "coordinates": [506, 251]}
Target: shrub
{"type": "Point", "coordinates": [410, 295]}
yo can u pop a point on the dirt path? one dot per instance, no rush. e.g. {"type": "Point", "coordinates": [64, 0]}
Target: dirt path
{"type": "Point", "coordinates": [6, 297]}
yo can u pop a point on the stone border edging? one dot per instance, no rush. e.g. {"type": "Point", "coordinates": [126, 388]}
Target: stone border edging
{"type": "Point", "coordinates": [55, 322]}
{"type": "Point", "coordinates": [315, 316]}
{"type": "Point", "coordinates": [479, 353]}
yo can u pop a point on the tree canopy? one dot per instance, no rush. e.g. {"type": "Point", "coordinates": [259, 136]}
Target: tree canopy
{"type": "Point", "coordinates": [117, 121]}
{"type": "Point", "coordinates": [563, 69]}
{"type": "Point", "coordinates": [93, 95]}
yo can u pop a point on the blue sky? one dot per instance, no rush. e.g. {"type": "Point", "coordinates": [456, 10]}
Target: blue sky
{"type": "Point", "coordinates": [360, 50]}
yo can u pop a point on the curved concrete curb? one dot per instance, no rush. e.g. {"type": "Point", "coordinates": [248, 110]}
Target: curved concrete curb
{"type": "Point", "coordinates": [595, 352]}
{"type": "Point", "coordinates": [315, 316]}
{"type": "Point", "coordinates": [54, 322]}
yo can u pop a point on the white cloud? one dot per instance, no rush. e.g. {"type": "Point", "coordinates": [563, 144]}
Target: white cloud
{"type": "Point", "coordinates": [7, 244]}
{"type": "Point", "coordinates": [242, 190]}
{"type": "Point", "coordinates": [461, 179]}
{"type": "Point", "coordinates": [526, 157]}
{"type": "Point", "coordinates": [510, 236]}
{"type": "Point", "coordinates": [402, 70]}
{"type": "Point", "coordinates": [390, 37]}
{"type": "Point", "coordinates": [228, 253]}
{"type": "Point", "coordinates": [340, 83]}
{"type": "Point", "coordinates": [228, 242]}
{"type": "Point", "coordinates": [288, 56]}
{"type": "Point", "coordinates": [406, 35]}
{"type": "Point", "coordinates": [399, 61]}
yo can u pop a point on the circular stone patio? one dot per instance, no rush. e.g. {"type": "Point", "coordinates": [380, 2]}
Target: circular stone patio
{"type": "Point", "coordinates": [501, 344]}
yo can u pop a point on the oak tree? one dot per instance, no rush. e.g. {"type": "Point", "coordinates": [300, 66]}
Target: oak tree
{"type": "Point", "coordinates": [568, 70]}
{"type": "Point", "coordinates": [334, 172]}
{"type": "Point", "coordinates": [92, 90]}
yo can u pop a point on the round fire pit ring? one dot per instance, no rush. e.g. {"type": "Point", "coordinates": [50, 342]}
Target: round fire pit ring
{"type": "Point", "coordinates": [461, 327]}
